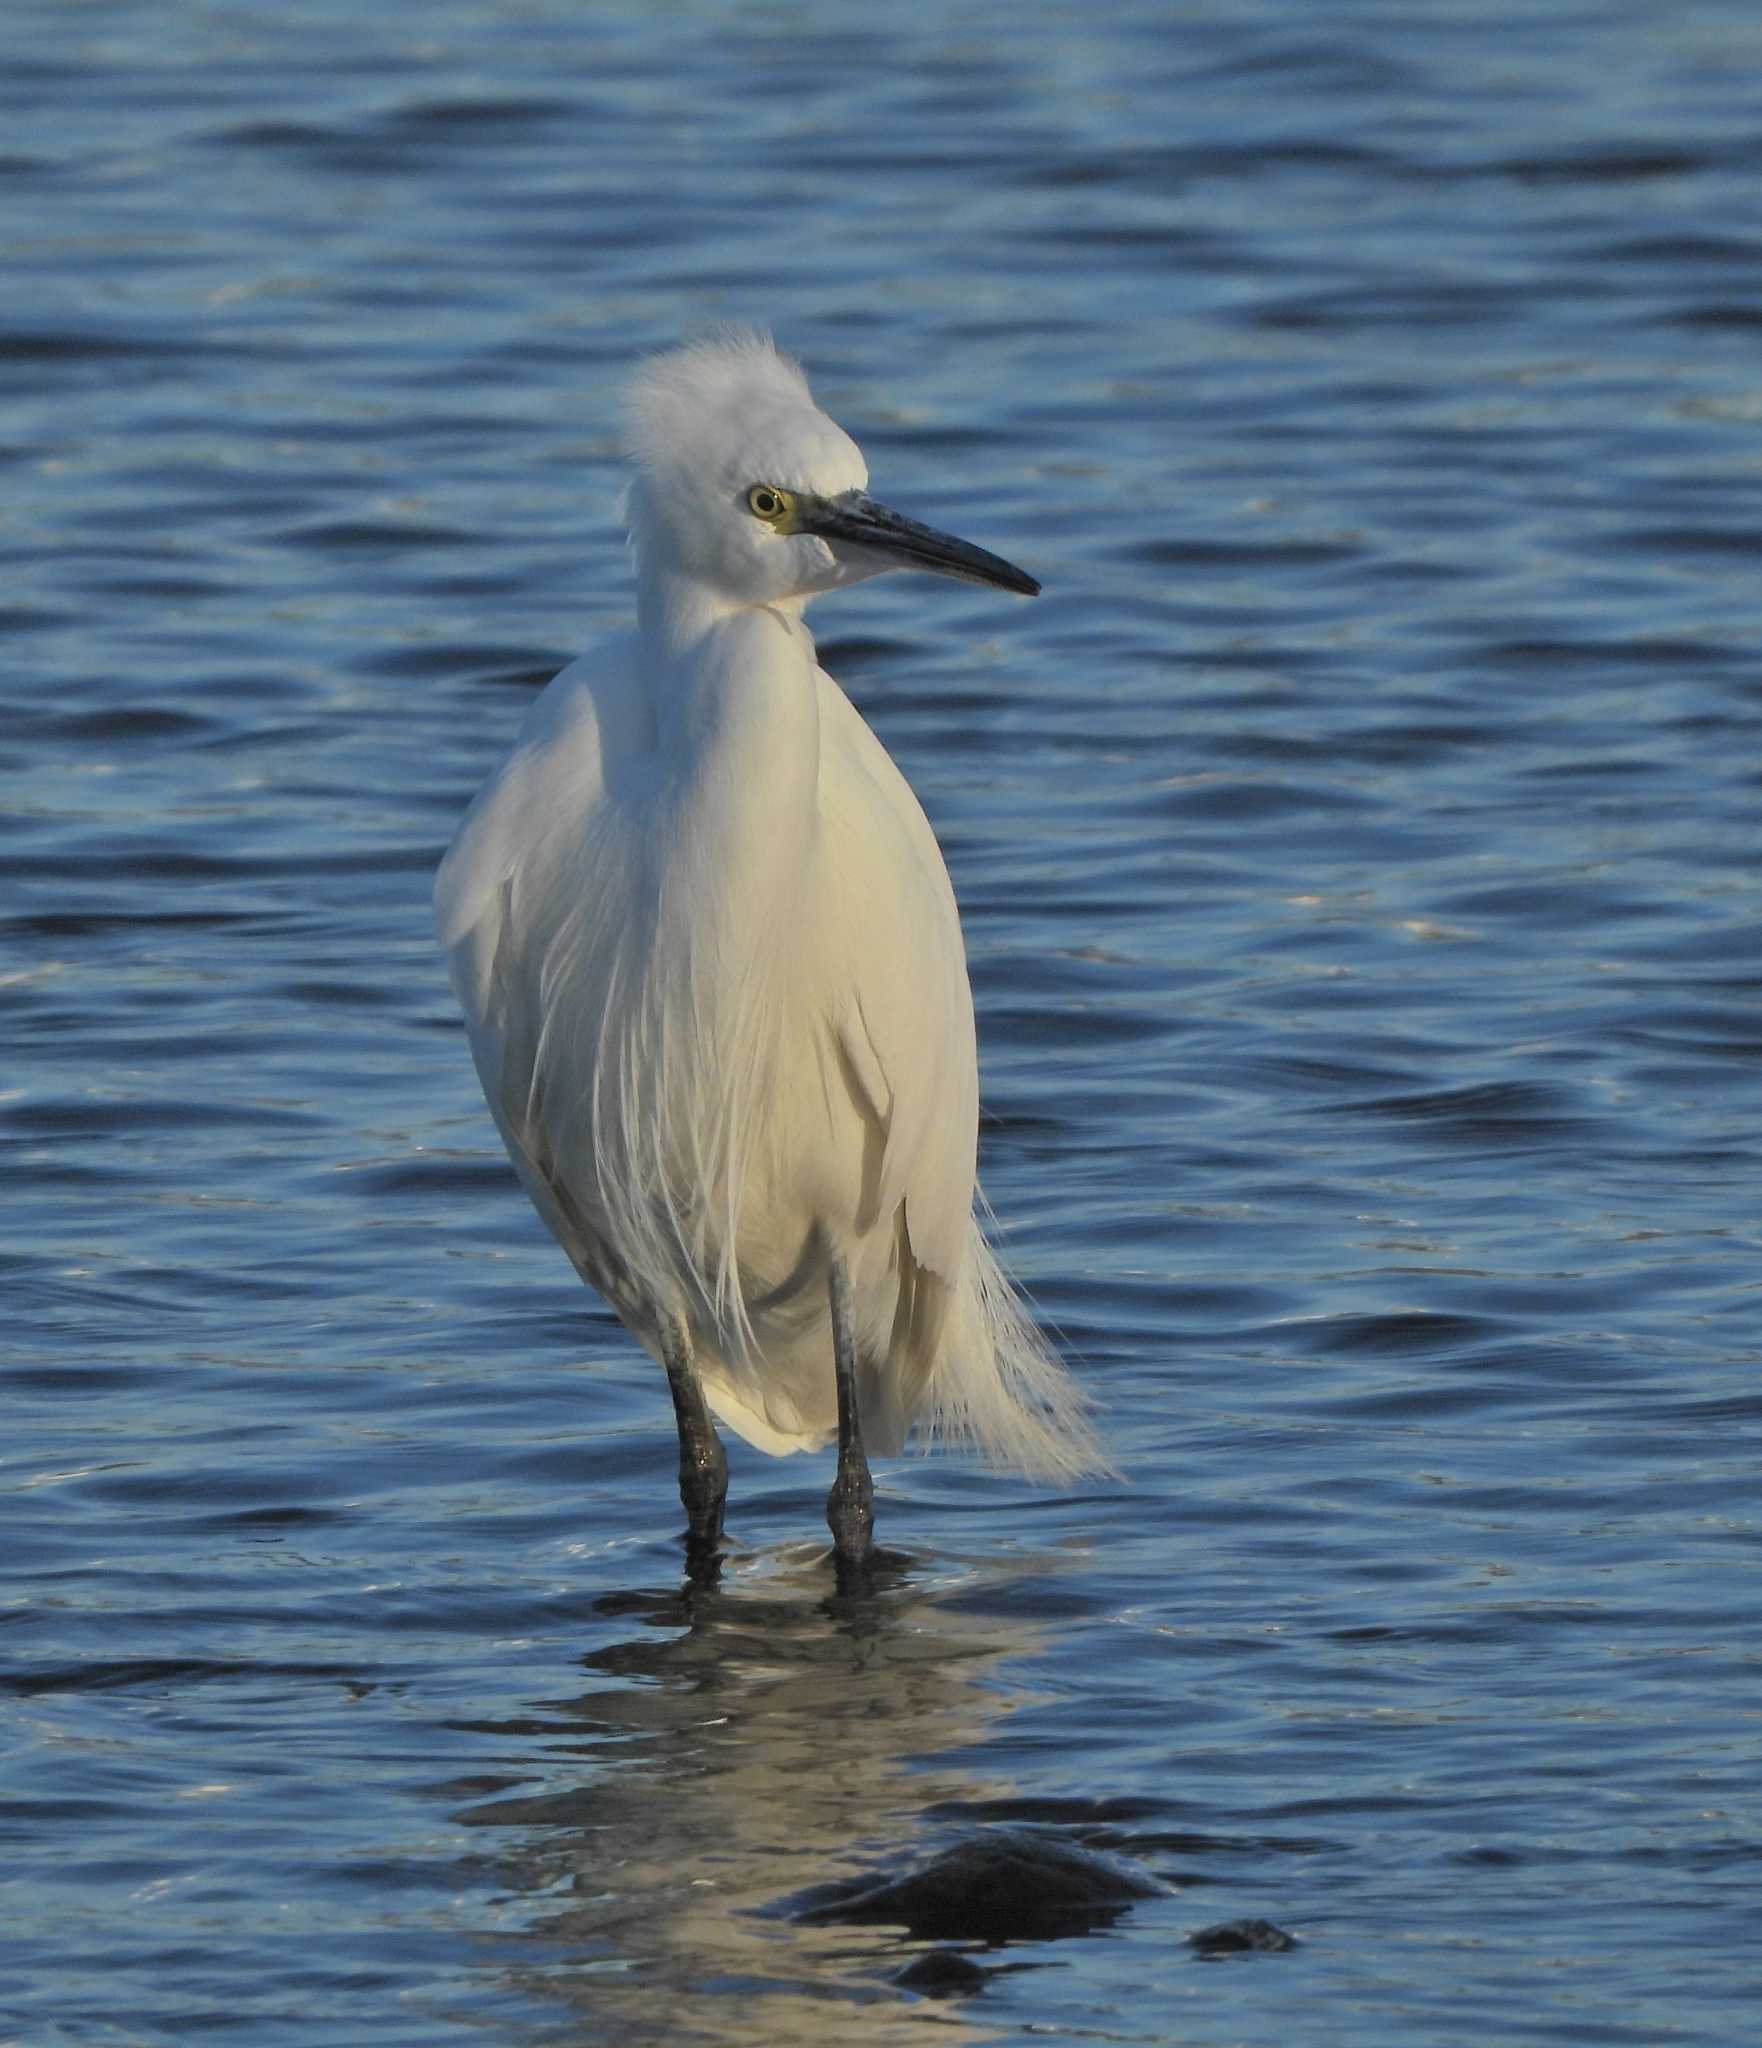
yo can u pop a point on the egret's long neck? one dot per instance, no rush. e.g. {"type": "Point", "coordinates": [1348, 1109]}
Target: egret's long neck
{"type": "Point", "coordinates": [714, 668]}
{"type": "Point", "coordinates": [736, 705]}
{"type": "Point", "coordinates": [674, 613]}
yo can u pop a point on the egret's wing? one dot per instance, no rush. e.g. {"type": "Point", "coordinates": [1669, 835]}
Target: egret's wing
{"type": "Point", "coordinates": [905, 1030]}
{"type": "Point", "coordinates": [513, 880]}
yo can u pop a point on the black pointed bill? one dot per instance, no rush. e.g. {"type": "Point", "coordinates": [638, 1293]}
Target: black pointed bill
{"type": "Point", "coordinates": [856, 521]}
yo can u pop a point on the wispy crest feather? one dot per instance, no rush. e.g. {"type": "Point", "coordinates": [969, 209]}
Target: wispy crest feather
{"type": "Point", "coordinates": [680, 402]}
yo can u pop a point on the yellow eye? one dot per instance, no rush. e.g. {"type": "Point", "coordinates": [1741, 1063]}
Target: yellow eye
{"type": "Point", "coordinates": [766, 501]}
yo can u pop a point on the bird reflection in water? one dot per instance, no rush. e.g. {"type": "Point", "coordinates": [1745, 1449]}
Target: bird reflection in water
{"type": "Point", "coordinates": [736, 1743]}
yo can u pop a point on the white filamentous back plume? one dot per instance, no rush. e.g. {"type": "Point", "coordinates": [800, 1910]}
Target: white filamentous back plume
{"type": "Point", "coordinates": [1025, 1414]}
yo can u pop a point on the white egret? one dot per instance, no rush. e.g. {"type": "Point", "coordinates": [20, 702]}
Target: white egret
{"type": "Point", "coordinates": [713, 977]}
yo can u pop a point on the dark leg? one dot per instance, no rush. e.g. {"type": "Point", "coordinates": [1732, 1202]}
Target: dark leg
{"type": "Point", "coordinates": [850, 1510]}
{"type": "Point", "coordinates": [703, 1464]}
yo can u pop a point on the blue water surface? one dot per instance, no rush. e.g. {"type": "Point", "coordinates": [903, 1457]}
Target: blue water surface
{"type": "Point", "coordinates": [1358, 851]}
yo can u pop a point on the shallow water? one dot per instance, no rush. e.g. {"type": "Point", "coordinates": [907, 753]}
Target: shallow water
{"type": "Point", "coordinates": [1357, 845]}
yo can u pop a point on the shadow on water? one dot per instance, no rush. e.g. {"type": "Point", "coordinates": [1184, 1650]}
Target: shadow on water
{"type": "Point", "coordinates": [732, 1824]}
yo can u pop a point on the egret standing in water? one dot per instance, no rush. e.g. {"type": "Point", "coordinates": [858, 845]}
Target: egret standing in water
{"type": "Point", "coordinates": [713, 977]}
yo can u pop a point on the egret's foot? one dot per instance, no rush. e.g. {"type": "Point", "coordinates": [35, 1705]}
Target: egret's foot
{"type": "Point", "coordinates": [850, 1514]}
{"type": "Point", "coordinates": [703, 1560]}
{"type": "Point", "coordinates": [703, 1488]}
{"type": "Point", "coordinates": [853, 1584]}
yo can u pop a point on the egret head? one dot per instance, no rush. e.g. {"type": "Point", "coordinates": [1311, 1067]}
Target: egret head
{"type": "Point", "coordinates": [743, 484]}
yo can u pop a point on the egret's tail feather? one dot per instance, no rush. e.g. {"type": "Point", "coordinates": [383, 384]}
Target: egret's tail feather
{"type": "Point", "coordinates": [1000, 1388]}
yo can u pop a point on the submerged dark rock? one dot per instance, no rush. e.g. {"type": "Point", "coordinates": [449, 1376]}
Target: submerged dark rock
{"type": "Point", "coordinates": [943, 1973]}
{"type": "Point", "coordinates": [1241, 1938]}
{"type": "Point", "coordinates": [999, 1884]}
